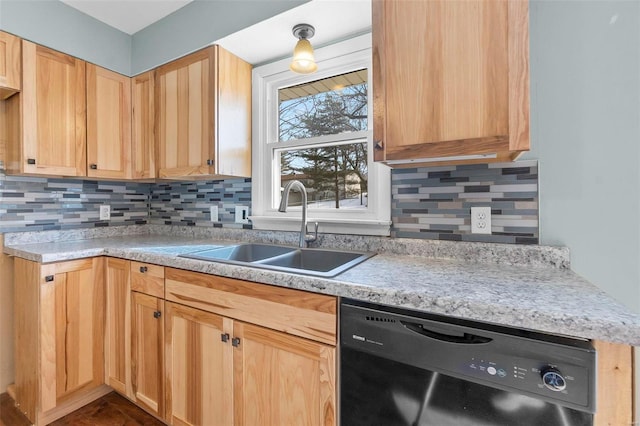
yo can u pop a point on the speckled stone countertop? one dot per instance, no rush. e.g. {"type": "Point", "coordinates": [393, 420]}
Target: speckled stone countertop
{"type": "Point", "coordinates": [529, 287]}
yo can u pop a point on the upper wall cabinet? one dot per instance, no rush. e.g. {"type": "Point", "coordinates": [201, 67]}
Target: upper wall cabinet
{"type": "Point", "coordinates": [9, 65]}
{"type": "Point", "coordinates": [451, 80]}
{"type": "Point", "coordinates": [108, 123]}
{"type": "Point", "coordinates": [47, 121]}
{"type": "Point", "coordinates": [143, 117]}
{"type": "Point", "coordinates": [203, 105]}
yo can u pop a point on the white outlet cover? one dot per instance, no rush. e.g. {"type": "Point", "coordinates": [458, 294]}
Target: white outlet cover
{"type": "Point", "coordinates": [481, 220]}
{"type": "Point", "coordinates": [242, 214]}
{"type": "Point", "coordinates": [105, 212]}
{"type": "Point", "coordinates": [213, 211]}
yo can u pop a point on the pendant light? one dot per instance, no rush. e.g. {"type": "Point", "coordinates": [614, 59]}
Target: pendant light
{"type": "Point", "coordinates": [303, 60]}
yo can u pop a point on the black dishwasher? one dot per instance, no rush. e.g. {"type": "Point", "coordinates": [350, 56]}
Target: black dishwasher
{"type": "Point", "coordinates": [400, 367]}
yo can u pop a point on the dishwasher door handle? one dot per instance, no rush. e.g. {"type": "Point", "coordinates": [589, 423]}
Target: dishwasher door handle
{"type": "Point", "coordinates": [466, 338]}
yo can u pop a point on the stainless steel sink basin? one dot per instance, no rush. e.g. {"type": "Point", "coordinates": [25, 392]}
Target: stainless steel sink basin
{"type": "Point", "coordinates": [241, 253]}
{"type": "Point", "coordinates": [306, 261]}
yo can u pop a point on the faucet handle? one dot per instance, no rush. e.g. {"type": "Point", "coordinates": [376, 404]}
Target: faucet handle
{"type": "Point", "coordinates": [312, 237]}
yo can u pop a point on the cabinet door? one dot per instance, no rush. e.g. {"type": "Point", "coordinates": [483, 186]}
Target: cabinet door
{"type": "Point", "coordinates": [9, 65]}
{"type": "Point", "coordinates": [147, 363]}
{"type": "Point", "coordinates": [143, 135]}
{"type": "Point", "coordinates": [108, 123]}
{"type": "Point", "coordinates": [185, 105]}
{"type": "Point", "coordinates": [450, 78]}
{"type": "Point", "coordinates": [53, 112]}
{"type": "Point", "coordinates": [199, 367]}
{"type": "Point", "coordinates": [282, 379]}
{"type": "Point", "coordinates": [71, 329]}
{"type": "Point", "coordinates": [118, 324]}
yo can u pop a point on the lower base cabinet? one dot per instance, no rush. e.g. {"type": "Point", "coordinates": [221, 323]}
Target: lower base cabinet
{"type": "Point", "coordinates": [59, 320]}
{"type": "Point", "coordinates": [147, 347]}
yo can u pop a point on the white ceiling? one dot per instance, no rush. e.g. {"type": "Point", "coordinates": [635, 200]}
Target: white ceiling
{"type": "Point", "coordinates": [263, 42]}
{"type": "Point", "coordinates": [129, 16]}
{"type": "Point", "coordinates": [272, 38]}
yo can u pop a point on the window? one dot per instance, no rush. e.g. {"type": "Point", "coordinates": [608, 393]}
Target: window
{"type": "Point", "coordinates": [317, 129]}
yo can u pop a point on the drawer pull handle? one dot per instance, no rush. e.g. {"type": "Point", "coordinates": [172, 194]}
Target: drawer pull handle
{"type": "Point", "coordinates": [235, 342]}
{"type": "Point", "coordinates": [48, 278]}
{"type": "Point", "coordinates": [224, 337]}
{"type": "Point", "coordinates": [157, 314]}
{"type": "Point", "coordinates": [143, 269]}
{"type": "Point", "coordinates": [31, 161]}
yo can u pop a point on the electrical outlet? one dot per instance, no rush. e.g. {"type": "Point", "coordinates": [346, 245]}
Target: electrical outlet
{"type": "Point", "coordinates": [481, 220]}
{"type": "Point", "coordinates": [242, 214]}
{"type": "Point", "coordinates": [105, 212]}
{"type": "Point", "coordinates": [213, 210]}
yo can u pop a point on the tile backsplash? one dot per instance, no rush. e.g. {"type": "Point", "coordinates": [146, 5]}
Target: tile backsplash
{"type": "Point", "coordinates": [427, 203]}
{"type": "Point", "coordinates": [187, 203]}
{"type": "Point", "coordinates": [435, 202]}
{"type": "Point", "coordinates": [37, 204]}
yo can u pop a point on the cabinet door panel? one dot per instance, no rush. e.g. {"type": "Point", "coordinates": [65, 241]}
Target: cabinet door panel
{"type": "Point", "coordinates": [54, 112]}
{"type": "Point", "coordinates": [10, 80]}
{"type": "Point", "coordinates": [143, 135]}
{"type": "Point", "coordinates": [72, 331]}
{"type": "Point", "coordinates": [118, 333]}
{"type": "Point", "coordinates": [199, 386]}
{"type": "Point", "coordinates": [282, 379]}
{"type": "Point", "coordinates": [147, 352]}
{"type": "Point", "coordinates": [185, 103]}
{"type": "Point", "coordinates": [108, 123]}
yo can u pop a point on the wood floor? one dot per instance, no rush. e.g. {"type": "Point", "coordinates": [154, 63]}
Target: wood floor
{"type": "Point", "coordinates": [111, 409]}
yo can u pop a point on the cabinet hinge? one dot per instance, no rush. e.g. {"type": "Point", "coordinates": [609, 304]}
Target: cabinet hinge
{"type": "Point", "coordinates": [224, 337]}
{"type": "Point", "coordinates": [31, 161]}
{"type": "Point", "coordinates": [379, 145]}
{"type": "Point", "coordinates": [235, 342]}
{"type": "Point", "coordinates": [48, 278]}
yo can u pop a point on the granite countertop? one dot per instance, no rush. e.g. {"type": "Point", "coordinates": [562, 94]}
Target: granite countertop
{"type": "Point", "coordinates": [523, 287]}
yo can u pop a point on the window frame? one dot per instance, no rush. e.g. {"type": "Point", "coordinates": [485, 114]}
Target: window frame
{"type": "Point", "coordinates": [338, 58]}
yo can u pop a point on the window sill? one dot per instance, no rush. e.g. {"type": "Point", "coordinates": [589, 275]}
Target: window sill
{"type": "Point", "coordinates": [331, 226]}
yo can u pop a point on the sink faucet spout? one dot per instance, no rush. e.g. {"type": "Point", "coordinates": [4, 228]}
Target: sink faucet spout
{"type": "Point", "coordinates": [304, 237]}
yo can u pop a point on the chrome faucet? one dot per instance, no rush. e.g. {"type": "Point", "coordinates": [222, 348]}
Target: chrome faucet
{"type": "Point", "coordinates": [304, 237]}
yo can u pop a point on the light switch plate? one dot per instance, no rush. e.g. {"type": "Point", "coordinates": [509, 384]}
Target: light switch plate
{"type": "Point", "coordinates": [242, 214]}
{"type": "Point", "coordinates": [105, 212]}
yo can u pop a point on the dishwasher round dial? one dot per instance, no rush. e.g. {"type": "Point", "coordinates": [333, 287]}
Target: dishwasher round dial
{"type": "Point", "coordinates": [553, 379]}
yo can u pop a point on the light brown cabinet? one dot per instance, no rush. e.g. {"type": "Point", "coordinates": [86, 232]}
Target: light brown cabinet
{"type": "Point", "coordinates": [450, 80]}
{"type": "Point", "coordinates": [203, 104]}
{"type": "Point", "coordinates": [199, 375]}
{"type": "Point", "coordinates": [10, 54]}
{"type": "Point", "coordinates": [47, 121]}
{"type": "Point", "coordinates": [147, 349]}
{"type": "Point", "coordinates": [59, 320]}
{"type": "Point", "coordinates": [108, 123]}
{"type": "Point", "coordinates": [143, 118]}
{"type": "Point", "coordinates": [118, 326]}
{"type": "Point", "coordinates": [275, 375]}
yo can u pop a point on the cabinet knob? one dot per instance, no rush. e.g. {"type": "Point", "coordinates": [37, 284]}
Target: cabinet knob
{"type": "Point", "coordinates": [224, 337]}
{"type": "Point", "coordinates": [235, 342]}
{"type": "Point", "coordinates": [157, 314]}
{"type": "Point", "coordinates": [379, 145]}
{"type": "Point", "coordinates": [31, 161]}
{"type": "Point", "coordinates": [143, 269]}
{"type": "Point", "coordinates": [48, 278]}
{"type": "Point", "coordinates": [93, 166]}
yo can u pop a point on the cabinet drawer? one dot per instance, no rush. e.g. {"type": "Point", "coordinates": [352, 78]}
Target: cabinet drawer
{"type": "Point", "coordinates": [295, 312]}
{"type": "Point", "coordinates": [147, 278]}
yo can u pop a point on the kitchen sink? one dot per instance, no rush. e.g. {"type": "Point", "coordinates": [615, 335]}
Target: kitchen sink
{"type": "Point", "coordinates": [306, 261]}
{"type": "Point", "coordinates": [241, 253]}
